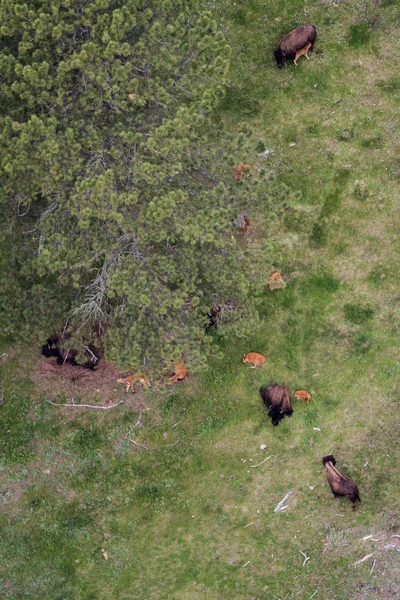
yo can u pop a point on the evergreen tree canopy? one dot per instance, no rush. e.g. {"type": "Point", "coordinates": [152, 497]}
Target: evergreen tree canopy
{"type": "Point", "coordinates": [116, 198]}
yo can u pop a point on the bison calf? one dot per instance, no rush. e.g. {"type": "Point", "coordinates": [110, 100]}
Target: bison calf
{"type": "Point", "coordinates": [294, 44]}
{"type": "Point", "coordinates": [277, 399]}
{"type": "Point", "coordinates": [340, 485]}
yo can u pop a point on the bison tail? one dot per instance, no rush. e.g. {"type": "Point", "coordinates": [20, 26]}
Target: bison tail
{"type": "Point", "coordinates": [329, 458]}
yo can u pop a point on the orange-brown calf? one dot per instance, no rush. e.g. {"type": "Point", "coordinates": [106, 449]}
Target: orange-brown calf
{"type": "Point", "coordinates": [254, 358]}
{"type": "Point", "coordinates": [130, 381]}
{"type": "Point", "coordinates": [180, 373]}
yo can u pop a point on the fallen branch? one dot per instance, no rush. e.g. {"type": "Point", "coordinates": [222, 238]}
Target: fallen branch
{"type": "Point", "coordinates": [154, 447]}
{"type": "Point", "coordinates": [137, 444]}
{"type": "Point", "coordinates": [245, 564]}
{"type": "Point", "coordinates": [93, 356]}
{"type": "Point", "coordinates": [363, 559]}
{"type": "Point", "coordinates": [373, 565]}
{"type": "Point", "coordinates": [2, 393]}
{"type": "Point", "coordinates": [137, 424]}
{"type": "Point", "coordinates": [281, 503]}
{"type": "Point", "coordinates": [306, 558]}
{"type": "Point", "coordinates": [86, 405]}
{"type": "Point", "coordinates": [312, 595]}
{"type": "Point", "coordinates": [392, 547]}
{"type": "Point", "coordinates": [263, 461]}
{"type": "Point", "coordinates": [251, 523]}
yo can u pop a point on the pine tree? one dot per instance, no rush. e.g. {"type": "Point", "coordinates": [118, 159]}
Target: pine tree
{"type": "Point", "coordinates": [117, 194]}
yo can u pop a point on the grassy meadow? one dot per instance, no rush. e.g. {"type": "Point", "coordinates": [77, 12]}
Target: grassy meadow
{"type": "Point", "coordinates": [176, 505]}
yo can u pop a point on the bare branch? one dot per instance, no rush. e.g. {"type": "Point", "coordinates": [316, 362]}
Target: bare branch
{"type": "Point", "coordinates": [281, 503]}
{"type": "Point", "coordinates": [263, 461]}
{"type": "Point", "coordinates": [137, 424]}
{"type": "Point", "coordinates": [373, 565]}
{"type": "Point", "coordinates": [306, 558]}
{"type": "Point", "coordinates": [363, 559]}
{"type": "Point", "coordinates": [86, 405]}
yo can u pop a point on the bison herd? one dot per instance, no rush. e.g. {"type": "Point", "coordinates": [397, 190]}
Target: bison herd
{"type": "Point", "coordinates": [276, 398]}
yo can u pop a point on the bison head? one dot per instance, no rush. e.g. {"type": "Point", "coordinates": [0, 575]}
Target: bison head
{"type": "Point", "coordinates": [279, 57]}
{"type": "Point", "coordinates": [276, 413]}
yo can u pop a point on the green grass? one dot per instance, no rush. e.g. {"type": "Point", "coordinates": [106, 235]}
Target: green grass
{"type": "Point", "coordinates": [185, 515]}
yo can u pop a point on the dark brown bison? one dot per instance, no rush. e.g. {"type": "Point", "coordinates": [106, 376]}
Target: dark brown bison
{"type": "Point", "coordinates": [340, 485]}
{"type": "Point", "coordinates": [58, 346]}
{"type": "Point", "coordinates": [294, 44]}
{"type": "Point", "coordinates": [277, 399]}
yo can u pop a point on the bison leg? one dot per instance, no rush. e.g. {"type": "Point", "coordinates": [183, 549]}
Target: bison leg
{"type": "Point", "coordinates": [306, 52]}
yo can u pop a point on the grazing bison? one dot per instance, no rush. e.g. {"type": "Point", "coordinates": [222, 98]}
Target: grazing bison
{"type": "Point", "coordinates": [294, 44]}
{"type": "Point", "coordinates": [55, 346]}
{"type": "Point", "coordinates": [340, 485]}
{"type": "Point", "coordinates": [277, 399]}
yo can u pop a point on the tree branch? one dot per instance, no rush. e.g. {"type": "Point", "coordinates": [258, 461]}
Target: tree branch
{"type": "Point", "coordinates": [86, 405]}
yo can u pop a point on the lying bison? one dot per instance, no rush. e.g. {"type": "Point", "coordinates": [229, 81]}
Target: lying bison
{"type": "Point", "coordinates": [340, 485]}
{"type": "Point", "coordinates": [58, 346]}
{"type": "Point", "coordinates": [277, 399]}
{"type": "Point", "coordinates": [294, 44]}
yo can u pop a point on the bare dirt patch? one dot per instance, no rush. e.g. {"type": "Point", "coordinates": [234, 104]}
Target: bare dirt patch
{"type": "Point", "coordinates": [77, 384]}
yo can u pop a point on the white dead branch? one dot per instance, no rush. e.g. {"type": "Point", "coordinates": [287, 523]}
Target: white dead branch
{"type": "Point", "coordinates": [73, 405]}
{"type": "Point", "coordinates": [93, 357]}
{"type": "Point", "coordinates": [137, 444]}
{"type": "Point", "coordinates": [373, 565]}
{"type": "Point", "coordinates": [263, 461]}
{"type": "Point", "coordinates": [248, 524]}
{"type": "Point", "coordinates": [154, 447]}
{"type": "Point", "coordinates": [282, 502]}
{"type": "Point", "coordinates": [363, 559]}
{"type": "Point", "coordinates": [312, 595]}
{"type": "Point", "coordinates": [392, 547]}
{"type": "Point", "coordinates": [245, 564]}
{"type": "Point", "coordinates": [137, 424]}
{"type": "Point", "coordinates": [306, 558]}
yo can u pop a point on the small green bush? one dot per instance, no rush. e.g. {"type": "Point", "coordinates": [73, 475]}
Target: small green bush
{"type": "Point", "coordinates": [355, 313]}
{"type": "Point", "coordinates": [359, 35]}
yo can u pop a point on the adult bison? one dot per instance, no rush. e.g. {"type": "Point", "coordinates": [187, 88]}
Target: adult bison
{"type": "Point", "coordinates": [277, 399]}
{"type": "Point", "coordinates": [340, 484]}
{"type": "Point", "coordinates": [59, 347]}
{"type": "Point", "coordinates": [294, 44]}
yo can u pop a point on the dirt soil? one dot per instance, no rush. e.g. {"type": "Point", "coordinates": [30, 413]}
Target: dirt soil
{"type": "Point", "coordinates": [77, 384]}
